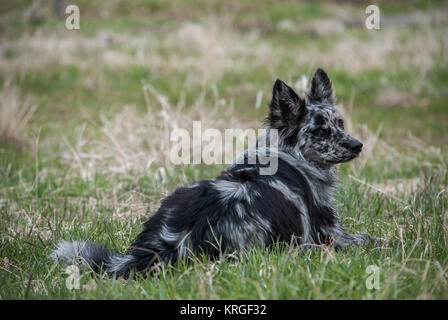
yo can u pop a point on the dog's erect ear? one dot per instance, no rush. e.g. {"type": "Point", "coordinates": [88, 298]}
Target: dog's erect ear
{"type": "Point", "coordinates": [286, 108]}
{"type": "Point", "coordinates": [321, 89]}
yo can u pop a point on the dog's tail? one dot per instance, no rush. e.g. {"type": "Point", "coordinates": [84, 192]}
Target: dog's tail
{"type": "Point", "coordinates": [97, 257]}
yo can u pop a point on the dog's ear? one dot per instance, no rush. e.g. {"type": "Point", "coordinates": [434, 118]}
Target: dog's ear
{"type": "Point", "coordinates": [286, 108]}
{"type": "Point", "coordinates": [321, 88]}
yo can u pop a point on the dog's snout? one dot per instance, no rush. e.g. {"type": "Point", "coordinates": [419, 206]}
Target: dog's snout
{"type": "Point", "coordinates": [354, 145]}
{"type": "Point", "coordinates": [357, 146]}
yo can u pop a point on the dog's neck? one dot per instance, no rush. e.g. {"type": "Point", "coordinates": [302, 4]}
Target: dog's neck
{"type": "Point", "coordinates": [323, 179]}
{"type": "Point", "coordinates": [323, 176]}
{"type": "Point", "coordinates": [327, 174]}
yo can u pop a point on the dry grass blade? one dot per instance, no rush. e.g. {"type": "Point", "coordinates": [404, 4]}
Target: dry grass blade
{"type": "Point", "coordinates": [15, 116]}
{"type": "Point", "coordinates": [377, 189]}
{"type": "Point", "coordinates": [132, 141]}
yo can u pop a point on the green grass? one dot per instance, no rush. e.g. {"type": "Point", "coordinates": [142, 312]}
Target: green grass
{"type": "Point", "coordinates": [398, 190]}
{"type": "Point", "coordinates": [408, 266]}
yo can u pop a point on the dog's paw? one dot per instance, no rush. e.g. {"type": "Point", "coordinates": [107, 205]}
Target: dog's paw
{"type": "Point", "coordinates": [365, 238]}
{"type": "Point", "coordinates": [358, 240]}
{"type": "Point", "coordinates": [379, 242]}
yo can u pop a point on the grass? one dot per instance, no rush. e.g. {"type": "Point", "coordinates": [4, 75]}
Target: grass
{"type": "Point", "coordinates": [107, 96]}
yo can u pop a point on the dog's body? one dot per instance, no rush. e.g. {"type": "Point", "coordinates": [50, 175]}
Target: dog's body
{"type": "Point", "coordinates": [241, 208]}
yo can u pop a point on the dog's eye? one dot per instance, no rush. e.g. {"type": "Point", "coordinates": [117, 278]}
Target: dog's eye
{"type": "Point", "coordinates": [341, 124]}
{"type": "Point", "coordinates": [321, 132]}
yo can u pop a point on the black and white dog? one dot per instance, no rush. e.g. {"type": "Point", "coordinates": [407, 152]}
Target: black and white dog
{"type": "Point", "coordinates": [241, 208]}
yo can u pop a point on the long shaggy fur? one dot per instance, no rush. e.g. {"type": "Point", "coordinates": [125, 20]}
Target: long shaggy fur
{"type": "Point", "coordinates": [241, 208]}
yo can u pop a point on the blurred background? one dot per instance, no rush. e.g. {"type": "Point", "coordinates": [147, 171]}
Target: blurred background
{"type": "Point", "coordinates": [137, 69]}
{"type": "Point", "coordinates": [86, 117]}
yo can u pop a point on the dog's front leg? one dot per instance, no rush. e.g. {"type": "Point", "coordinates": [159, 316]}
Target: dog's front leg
{"type": "Point", "coordinates": [344, 240]}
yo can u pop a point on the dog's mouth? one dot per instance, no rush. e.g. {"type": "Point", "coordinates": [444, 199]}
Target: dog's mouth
{"type": "Point", "coordinates": [347, 158]}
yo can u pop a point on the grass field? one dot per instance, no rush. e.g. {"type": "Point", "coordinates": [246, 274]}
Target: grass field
{"type": "Point", "coordinates": [85, 118]}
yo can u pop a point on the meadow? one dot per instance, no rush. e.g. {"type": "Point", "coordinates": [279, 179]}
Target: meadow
{"type": "Point", "coordinates": [86, 117]}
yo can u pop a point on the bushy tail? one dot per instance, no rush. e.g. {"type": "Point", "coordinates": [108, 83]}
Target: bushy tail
{"type": "Point", "coordinates": [97, 257]}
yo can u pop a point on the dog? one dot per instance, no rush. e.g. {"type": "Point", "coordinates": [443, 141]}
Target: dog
{"type": "Point", "coordinates": [242, 209]}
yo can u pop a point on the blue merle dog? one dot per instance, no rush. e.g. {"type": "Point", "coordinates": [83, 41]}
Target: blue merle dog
{"type": "Point", "coordinates": [241, 208]}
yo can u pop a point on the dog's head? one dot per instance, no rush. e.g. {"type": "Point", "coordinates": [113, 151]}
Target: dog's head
{"type": "Point", "coordinates": [312, 125]}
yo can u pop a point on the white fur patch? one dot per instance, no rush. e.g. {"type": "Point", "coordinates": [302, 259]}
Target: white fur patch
{"type": "Point", "coordinates": [70, 251]}
{"type": "Point", "coordinates": [229, 190]}
{"type": "Point", "coordinates": [118, 262]}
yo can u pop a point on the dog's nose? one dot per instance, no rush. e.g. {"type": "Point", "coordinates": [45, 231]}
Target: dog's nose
{"type": "Point", "coordinates": [354, 145]}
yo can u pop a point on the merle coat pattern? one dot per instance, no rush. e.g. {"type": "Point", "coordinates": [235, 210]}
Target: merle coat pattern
{"type": "Point", "coordinates": [240, 208]}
